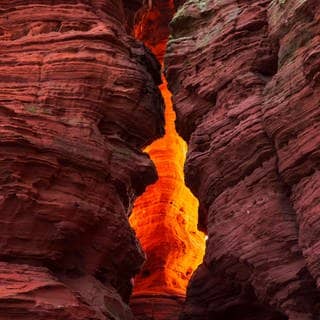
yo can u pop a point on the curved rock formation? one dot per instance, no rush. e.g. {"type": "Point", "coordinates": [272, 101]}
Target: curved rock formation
{"type": "Point", "coordinates": [165, 216]}
{"type": "Point", "coordinates": [78, 101]}
{"type": "Point", "coordinates": [245, 81]}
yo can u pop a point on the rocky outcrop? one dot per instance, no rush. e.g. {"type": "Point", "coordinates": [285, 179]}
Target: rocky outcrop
{"type": "Point", "coordinates": [245, 81]}
{"type": "Point", "coordinates": [29, 293]}
{"type": "Point", "coordinates": [165, 216]}
{"type": "Point", "coordinates": [78, 101]}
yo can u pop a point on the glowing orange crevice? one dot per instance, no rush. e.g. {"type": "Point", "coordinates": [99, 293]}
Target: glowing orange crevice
{"type": "Point", "coordinates": [165, 216]}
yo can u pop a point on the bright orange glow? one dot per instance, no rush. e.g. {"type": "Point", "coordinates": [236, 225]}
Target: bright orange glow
{"type": "Point", "coordinates": [165, 216]}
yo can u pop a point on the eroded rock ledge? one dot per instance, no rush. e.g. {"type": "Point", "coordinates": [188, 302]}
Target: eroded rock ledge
{"type": "Point", "coordinates": [78, 102]}
{"type": "Point", "coordinates": [245, 80]}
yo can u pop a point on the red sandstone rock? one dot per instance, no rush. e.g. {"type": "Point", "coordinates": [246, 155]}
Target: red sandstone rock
{"type": "Point", "coordinates": [152, 25]}
{"type": "Point", "coordinates": [244, 76]}
{"type": "Point", "coordinates": [28, 292]}
{"type": "Point", "coordinates": [291, 116]}
{"type": "Point", "coordinates": [78, 101]}
{"type": "Point", "coordinates": [156, 306]}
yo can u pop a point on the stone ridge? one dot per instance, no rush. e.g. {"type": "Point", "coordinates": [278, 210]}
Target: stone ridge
{"type": "Point", "coordinates": [245, 82]}
{"type": "Point", "coordinates": [78, 101]}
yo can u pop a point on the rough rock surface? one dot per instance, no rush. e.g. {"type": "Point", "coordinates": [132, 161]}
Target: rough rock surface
{"type": "Point", "coordinates": [29, 293]}
{"type": "Point", "coordinates": [165, 216]}
{"type": "Point", "coordinates": [245, 80]}
{"type": "Point", "coordinates": [156, 306]}
{"type": "Point", "coordinates": [78, 101]}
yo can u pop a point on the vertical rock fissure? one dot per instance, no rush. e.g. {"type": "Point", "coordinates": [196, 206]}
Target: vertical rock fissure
{"type": "Point", "coordinates": [165, 216]}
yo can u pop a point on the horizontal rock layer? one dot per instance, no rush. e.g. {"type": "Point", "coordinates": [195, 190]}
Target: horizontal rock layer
{"type": "Point", "coordinates": [78, 101]}
{"type": "Point", "coordinates": [30, 293]}
{"type": "Point", "coordinates": [156, 306]}
{"type": "Point", "coordinates": [245, 81]}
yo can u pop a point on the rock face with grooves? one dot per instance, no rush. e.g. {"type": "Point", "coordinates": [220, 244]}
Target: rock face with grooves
{"type": "Point", "coordinates": [78, 102]}
{"type": "Point", "coordinates": [245, 80]}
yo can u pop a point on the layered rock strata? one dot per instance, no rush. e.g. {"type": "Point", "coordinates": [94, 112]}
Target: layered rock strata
{"type": "Point", "coordinates": [245, 81]}
{"type": "Point", "coordinates": [78, 102]}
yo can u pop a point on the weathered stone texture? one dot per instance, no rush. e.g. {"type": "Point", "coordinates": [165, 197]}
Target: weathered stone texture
{"type": "Point", "coordinates": [245, 81]}
{"type": "Point", "coordinates": [78, 101]}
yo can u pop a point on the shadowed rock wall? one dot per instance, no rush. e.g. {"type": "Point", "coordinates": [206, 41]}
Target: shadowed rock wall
{"type": "Point", "coordinates": [78, 102]}
{"type": "Point", "coordinates": [245, 81]}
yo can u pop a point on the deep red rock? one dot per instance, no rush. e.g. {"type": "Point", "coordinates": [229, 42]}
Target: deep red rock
{"type": "Point", "coordinates": [156, 306]}
{"type": "Point", "coordinates": [30, 293]}
{"type": "Point", "coordinates": [78, 101]}
{"type": "Point", "coordinates": [244, 77]}
{"type": "Point", "coordinates": [291, 116]}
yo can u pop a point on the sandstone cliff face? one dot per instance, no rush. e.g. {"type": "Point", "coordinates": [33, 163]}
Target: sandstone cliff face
{"type": "Point", "coordinates": [78, 102]}
{"type": "Point", "coordinates": [245, 80]}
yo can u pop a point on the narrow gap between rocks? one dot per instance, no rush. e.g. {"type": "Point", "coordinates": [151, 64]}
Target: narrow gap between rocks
{"type": "Point", "coordinates": [165, 217]}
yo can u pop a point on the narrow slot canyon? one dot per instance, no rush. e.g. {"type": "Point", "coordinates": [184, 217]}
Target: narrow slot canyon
{"type": "Point", "coordinates": [159, 160]}
{"type": "Point", "coordinates": [165, 217]}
